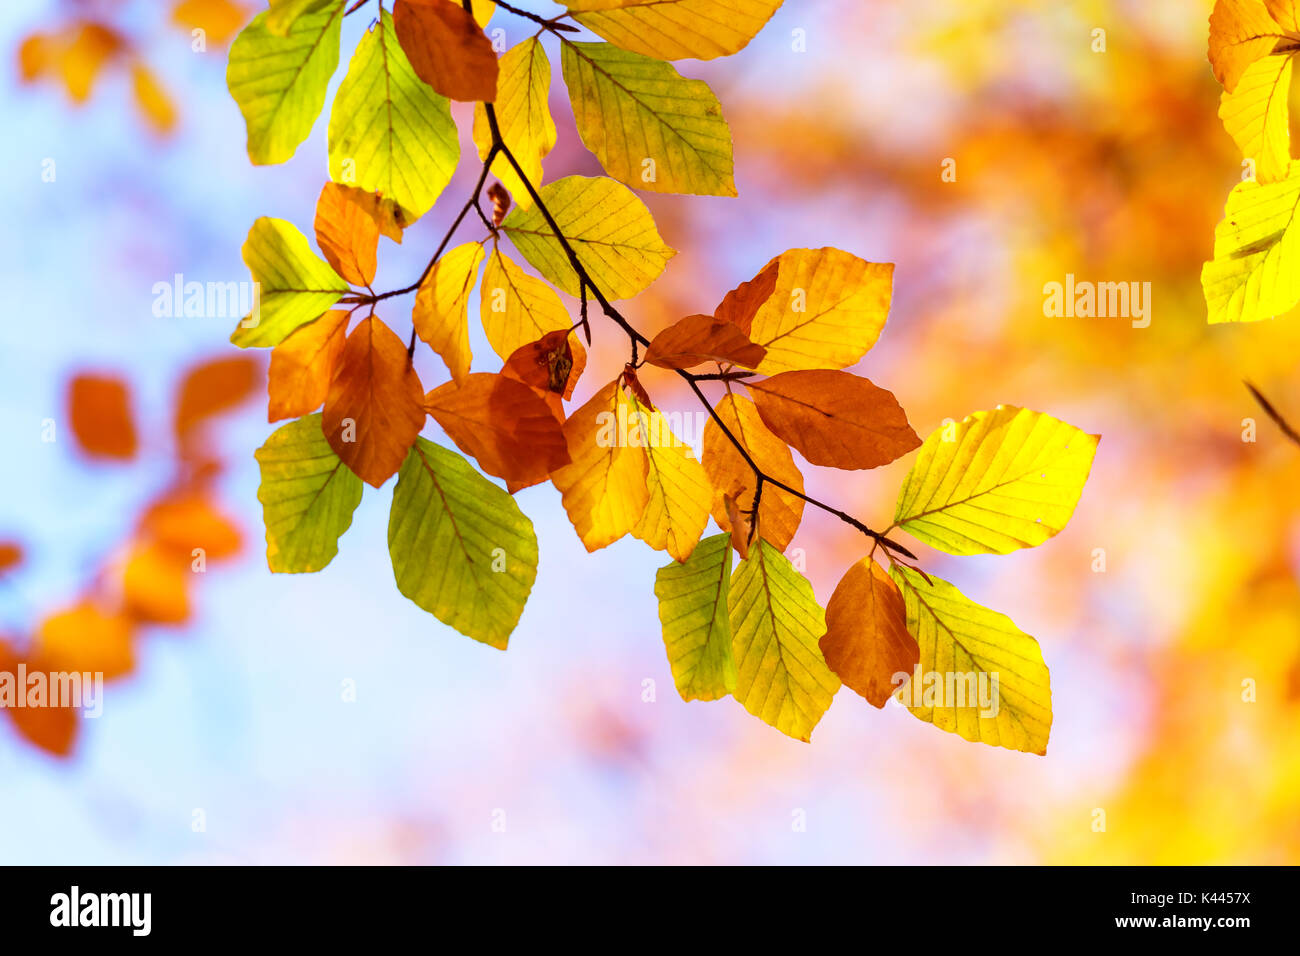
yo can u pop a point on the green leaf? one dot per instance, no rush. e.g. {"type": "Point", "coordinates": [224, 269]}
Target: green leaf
{"type": "Point", "coordinates": [284, 13]}
{"type": "Point", "coordinates": [279, 82]}
{"type": "Point", "coordinates": [673, 29]}
{"type": "Point", "coordinates": [1255, 273]}
{"type": "Point", "coordinates": [996, 482]}
{"type": "Point", "coordinates": [307, 495]}
{"type": "Point", "coordinates": [963, 646]}
{"type": "Point", "coordinates": [389, 131]}
{"type": "Point", "coordinates": [461, 548]}
{"type": "Point", "coordinates": [295, 285]}
{"type": "Point", "coordinates": [693, 611]}
{"type": "Point", "coordinates": [649, 126]}
{"type": "Point", "coordinates": [776, 624]}
{"type": "Point", "coordinates": [610, 230]}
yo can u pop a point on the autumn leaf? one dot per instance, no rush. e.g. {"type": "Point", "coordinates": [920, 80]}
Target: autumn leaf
{"type": "Point", "coordinates": [776, 622]}
{"type": "Point", "coordinates": [779, 511]}
{"type": "Point", "coordinates": [697, 339]}
{"type": "Point", "coordinates": [834, 418]}
{"type": "Point", "coordinates": [441, 315]}
{"type": "Point", "coordinates": [693, 613]}
{"type": "Point", "coordinates": [307, 495]}
{"type": "Point", "coordinates": [295, 286]}
{"type": "Point", "coordinates": [996, 482]}
{"type": "Point", "coordinates": [964, 645]}
{"type": "Point", "coordinates": [389, 132]}
{"type": "Point", "coordinates": [347, 234]}
{"type": "Point", "coordinates": [741, 304]}
{"type": "Point", "coordinates": [155, 106]}
{"type": "Point", "coordinates": [213, 387]}
{"type": "Point", "coordinates": [674, 29]}
{"type": "Point", "coordinates": [1255, 273]}
{"type": "Point", "coordinates": [552, 365]}
{"type": "Point", "coordinates": [523, 116]}
{"type": "Point", "coordinates": [279, 82]}
{"type": "Point", "coordinates": [85, 638]}
{"type": "Point", "coordinates": [677, 510]}
{"type": "Point", "coordinates": [866, 641]}
{"type": "Point", "coordinates": [1242, 32]}
{"type": "Point", "coordinates": [649, 126]}
{"type": "Point", "coordinates": [501, 423]}
{"type": "Point", "coordinates": [155, 585]}
{"type": "Point", "coordinates": [461, 548]}
{"type": "Point", "coordinates": [182, 521]}
{"type": "Point", "coordinates": [604, 487]}
{"type": "Point", "coordinates": [53, 729]}
{"type": "Point", "coordinates": [375, 405]}
{"type": "Point", "coordinates": [826, 311]}
{"type": "Point", "coordinates": [610, 230]}
{"type": "Point", "coordinates": [447, 49]}
{"type": "Point", "coordinates": [303, 365]}
{"type": "Point", "coordinates": [218, 19]}
{"type": "Point", "coordinates": [284, 13]}
{"type": "Point", "coordinates": [100, 415]}
{"type": "Point", "coordinates": [516, 308]}
{"type": "Point", "coordinates": [11, 555]}
{"type": "Point", "coordinates": [1256, 117]}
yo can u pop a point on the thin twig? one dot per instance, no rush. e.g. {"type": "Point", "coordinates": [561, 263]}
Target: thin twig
{"type": "Point", "coordinates": [1274, 414]}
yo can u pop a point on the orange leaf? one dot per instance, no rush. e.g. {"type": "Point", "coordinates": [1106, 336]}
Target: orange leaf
{"type": "Point", "coordinates": [11, 555]}
{"type": "Point", "coordinates": [152, 100]}
{"type": "Point", "coordinates": [866, 641]}
{"type": "Point", "coordinates": [552, 365]}
{"type": "Point", "coordinates": [447, 49]}
{"type": "Point", "coordinates": [84, 638]}
{"type": "Point", "coordinates": [502, 423]}
{"type": "Point", "coordinates": [834, 418]}
{"type": "Point", "coordinates": [702, 338]}
{"type": "Point", "coordinates": [303, 365]}
{"type": "Point", "coordinates": [388, 216]}
{"type": "Point", "coordinates": [375, 406]}
{"type": "Point", "coordinates": [347, 233]}
{"type": "Point", "coordinates": [219, 19]}
{"type": "Point", "coordinates": [779, 511]}
{"type": "Point", "coordinates": [53, 729]}
{"type": "Point", "coordinates": [98, 407]}
{"type": "Point", "coordinates": [742, 303]}
{"type": "Point", "coordinates": [92, 45]}
{"type": "Point", "coordinates": [213, 387]}
{"type": "Point", "coordinates": [183, 522]}
{"type": "Point", "coordinates": [155, 585]}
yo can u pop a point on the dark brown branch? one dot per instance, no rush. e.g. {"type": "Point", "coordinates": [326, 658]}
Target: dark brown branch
{"type": "Point", "coordinates": [1274, 414]}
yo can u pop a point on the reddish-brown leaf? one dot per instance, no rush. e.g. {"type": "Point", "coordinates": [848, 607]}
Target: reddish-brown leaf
{"type": "Point", "coordinates": [447, 49]}
{"type": "Point", "coordinates": [347, 233]}
{"type": "Point", "coordinates": [743, 302]}
{"type": "Point", "coordinates": [834, 418]}
{"type": "Point", "coordinates": [866, 641]}
{"type": "Point", "coordinates": [502, 423]}
{"type": "Point", "coordinates": [375, 406]}
{"type": "Point", "coordinates": [213, 387]}
{"type": "Point", "coordinates": [100, 413]}
{"type": "Point", "coordinates": [53, 729]}
{"type": "Point", "coordinates": [552, 365]}
{"type": "Point", "coordinates": [11, 555]}
{"type": "Point", "coordinates": [303, 365]}
{"type": "Point", "coordinates": [697, 339]}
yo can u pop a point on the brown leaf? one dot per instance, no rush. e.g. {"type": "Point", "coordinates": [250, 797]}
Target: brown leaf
{"type": "Point", "coordinates": [866, 641]}
{"type": "Point", "coordinates": [213, 387]}
{"type": "Point", "coordinates": [302, 366]}
{"type": "Point", "coordinates": [347, 234]}
{"type": "Point", "coordinates": [834, 418]}
{"type": "Point", "coordinates": [702, 338]}
{"type": "Point", "coordinates": [11, 555]}
{"type": "Point", "coordinates": [375, 406]}
{"type": "Point", "coordinates": [99, 410]}
{"type": "Point", "coordinates": [741, 525]}
{"type": "Point", "coordinates": [552, 365]}
{"type": "Point", "coordinates": [447, 49]}
{"type": "Point", "coordinates": [779, 511]}
{"type": "Point", "coordinates": [502, 423]}
{"type": "Point", "coordinates": [742, 303]}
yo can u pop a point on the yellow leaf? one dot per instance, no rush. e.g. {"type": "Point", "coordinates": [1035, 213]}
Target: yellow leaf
{"type": "Point", "coordinates": [1241, 32]}
{"type": "Point", "coordinates": [610, 230]}
{"type": "Point", "coordinates": [779, 511]}
{"type": "Point", "coordinates": [604, 488]}
{"type": "Point", "coordinates": [517, 308]}
{"type": "Point", "coordinates": [649, 126]}
{"type": "Point", "coordinates": [523, 115]}
{"type": "Point", "coordinates": [998, 481]}
{"type": "Point", "coordinates": [441, 314]}
{"type": "Point", "coordinates": [1255, 115]}
{"type": "Point", "coordinates": [1255, 273]}
{"type": "Point", "coordinates": [981, 676]}
{"type": "Point", "coordinates": [152, 100]}
{"type": "Point", "coordinates": [673, 29]}
{"type": "Point", "coordinates": [680, 494]}
{"type": "Point", "coordinates": [827, 310]}
{"type": "Point", "coordinates": [776, 622]}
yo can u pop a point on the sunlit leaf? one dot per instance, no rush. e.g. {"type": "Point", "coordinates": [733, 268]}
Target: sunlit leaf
{"type": "Point", "coordinates": [693, 613]}
{"type": "Point", "coordinates": [347, 234]}
{"type": "Point", "coordinates": [441, 314]}
{"type": "Point", "coordinates": [1241, 32]}
{"type": "Point", "coordinates": [673, 29]}
{"type": "Point", "coordinates": [447, 49]}
{"type": "Point", "coordinates": [303, 365]}
{"type": "Point", "coordinates": [517, 308]}
{"type": "Point", "coordinates": [1256, 117]}
{"type": "Point", "coordinates": [523, 116]}
{"type": "Point", "coordinates": [99, 412]}
{"type": "Point", "coordinates": [680, 494]}
{"type": "Point", "coordinates": [866, 641]}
